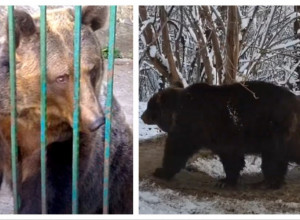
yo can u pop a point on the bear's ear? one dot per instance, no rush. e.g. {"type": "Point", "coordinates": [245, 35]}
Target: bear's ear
{"type": "Point", "coordinates": [158, 97]}
{"type": "Point", "coordinates": [24, 25]}
{"type": "Point", "coordinates": [95, 16]}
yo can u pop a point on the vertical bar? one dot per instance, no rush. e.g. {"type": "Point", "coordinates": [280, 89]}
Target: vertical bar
{"type": "Point", "coordinates": [108, 107]}
{"type": "Point", "coordinates": [12, 71]}
{"type": "Point", "coordinates": [76, 113]}
{"type": "Point", "coordinates": [43, 66]}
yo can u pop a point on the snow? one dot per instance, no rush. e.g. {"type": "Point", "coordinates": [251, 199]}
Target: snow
{"type": "Point", "coordinates": [297, 93]}
{"type": "Point", "coordinates": [243, 68]}
{"type": "Point", "coordinates": [152, 51]}
{"type": "Point", "coordinates": [214, 168]}
{"type": "Point", "coordinates": [182, 79]}
{"type": "Point", "coordinates": [155, 200]}
{"type": "Point", "coordinates": [164, 61]}
{"type": "Point", "coordinates": [244, 23]}
{"type": "Point", "coordinates": [286, 45]}
{"type": "Point", "coordinates": [268, 23]}
{"type": "Point", "coordinates": [202, 33]}
{"type": "Point", "coordinates": [147, 131]}
{"type": "Point", "coordinates": [142, 38]}
{"type": "Point", "coordinates": [191, 30]}
{"type": "Point", "coordinates": [240, 37]}
{"type": "Point", "coordinates": [216, 12]}
{"type": "Point", "coordinates": [166, 201]}
{"type": "Point", "coordinates": [233, 114]}
{"type": "Point", "coordinates": [145, 24]}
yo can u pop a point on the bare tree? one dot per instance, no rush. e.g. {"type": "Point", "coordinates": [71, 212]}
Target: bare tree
{"type": "Point", "coordinates": [297, 47]}
{"type": "Point", "coordinates": [232, 45]}
{"type": "Point", "coordinates": [162, 59]}
{"type": "Point", "coordinates": [173, 75]}
{"type": "Point", "coordinates": [215, 42]}
{"type": "Point", "coordinates": [218, 44]}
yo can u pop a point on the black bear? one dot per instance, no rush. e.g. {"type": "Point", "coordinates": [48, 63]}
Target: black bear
{"type": "Point", "coordinates": [231, 120]}
{"type": "Point", "coordinates": [60, 81]}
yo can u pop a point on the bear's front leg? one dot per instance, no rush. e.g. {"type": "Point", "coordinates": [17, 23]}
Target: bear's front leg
{"type": "Point", "coordinates": [30, 195]}
{"type": "Point", "coordinates": [233, 163]}
{"type": "Point", "coordinates": [177, 151]}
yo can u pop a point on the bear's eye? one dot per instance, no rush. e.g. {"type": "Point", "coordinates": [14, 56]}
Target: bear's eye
{"type": "Point", "coordinates": [62, 79]}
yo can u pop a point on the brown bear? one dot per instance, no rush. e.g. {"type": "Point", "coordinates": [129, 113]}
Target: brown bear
{"type": "Point", "coordinates": [60, 79]}
{"type": "Point", "coordinates": [231, 120]}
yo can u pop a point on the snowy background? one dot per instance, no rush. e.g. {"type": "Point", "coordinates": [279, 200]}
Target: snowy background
{"type": "Point", "coordinates": [147, 131]}
{"type": "Point", "coordinates": [196, 48]}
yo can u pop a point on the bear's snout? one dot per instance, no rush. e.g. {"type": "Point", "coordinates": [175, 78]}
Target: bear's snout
{"type": "Point", "coordinates": [146, 119]}
{"type": "Point", "coordinates": [97, 124]}
{"type": "Point", "coordinates": [143, 117]}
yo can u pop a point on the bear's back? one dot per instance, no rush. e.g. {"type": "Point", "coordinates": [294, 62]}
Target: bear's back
{"type": "Point", "coordinates": [251, 94]}
{"type": "Point", "coordinates": [251, 109]}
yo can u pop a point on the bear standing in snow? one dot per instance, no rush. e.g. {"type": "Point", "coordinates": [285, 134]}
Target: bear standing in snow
{"type": "Point", "coordinates": [231, 120]}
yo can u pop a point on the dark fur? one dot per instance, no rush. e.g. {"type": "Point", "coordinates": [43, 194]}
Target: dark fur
{"type": "Point", "coordinates": [231, 122]}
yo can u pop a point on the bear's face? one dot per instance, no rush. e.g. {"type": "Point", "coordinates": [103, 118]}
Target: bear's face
{"type": "Point", "coordinates": [161, 109]}
{"type": "Point", "coordinates": [152, 114]}
{"type": "Point", "coordinates": [60, 66]}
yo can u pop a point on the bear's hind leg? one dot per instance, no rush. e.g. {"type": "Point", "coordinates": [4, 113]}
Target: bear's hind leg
{"type": "Point", "coordinates": [233, 164]}
{"type": "Point", "coordinates": [274, 168]}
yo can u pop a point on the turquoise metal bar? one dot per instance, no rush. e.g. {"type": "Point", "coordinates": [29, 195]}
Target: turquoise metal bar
{"type": "Point", "coordinates": [13, 93]}
{"type": "Point", "coordinates": [76, 113]}
{"type": "Point", "coordinates": [43, 67]}
{"type": "Point", "coordinates": [108, 107]}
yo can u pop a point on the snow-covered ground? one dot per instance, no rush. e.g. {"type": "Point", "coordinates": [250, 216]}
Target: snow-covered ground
{"type": "Point", "coordinates": [156, 200]}
{"type": "Point", "coordinates": [147, 131]}
{"type": "Point", "coordinates": [167, 201]}
{"type": "Point", "coordinates": [214, 168]}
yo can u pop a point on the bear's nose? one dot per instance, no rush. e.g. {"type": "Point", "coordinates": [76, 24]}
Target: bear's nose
{"type": "Point", "coordinates": [145, 118]}
{"type": "Point", "coordinates": [97, 124]}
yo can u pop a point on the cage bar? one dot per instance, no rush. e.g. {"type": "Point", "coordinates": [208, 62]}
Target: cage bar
{"type": "Point", "coordinates": [76, 110]}
{"type": "Point", "coordinates": [76, 113]}
{"type": "Point", "coordinates": [43, 67]}
{"type": "Point", "coordinates": [108, 107]}
{"type": "Point", "coordinates": [13, 93]}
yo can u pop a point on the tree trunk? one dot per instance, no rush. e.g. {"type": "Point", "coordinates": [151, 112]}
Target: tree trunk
{"type": "Point", "coordinates": [232, 45]}
{"type": "Point", "coordinates": [166, 48]}
{"type": "Point", "coordinates": [201, 40]}
{"type": "Point", "coordinates": [297, 47]}
{"type": "Point", "coordinates": [147, 32]}
{"type": "Point", "coordinates": [168, 70]}
{"type": "Point", "coordinates": [215, 42]}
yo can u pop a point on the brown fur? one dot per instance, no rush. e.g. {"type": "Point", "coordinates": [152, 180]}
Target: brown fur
{"type": "Point", "coordinates": [60, 25]}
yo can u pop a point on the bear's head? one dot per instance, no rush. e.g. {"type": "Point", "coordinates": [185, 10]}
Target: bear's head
{"type": "Point", "coordinates": [161, 109]}
{"type": "Point", "coordinates": [60, 66]}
